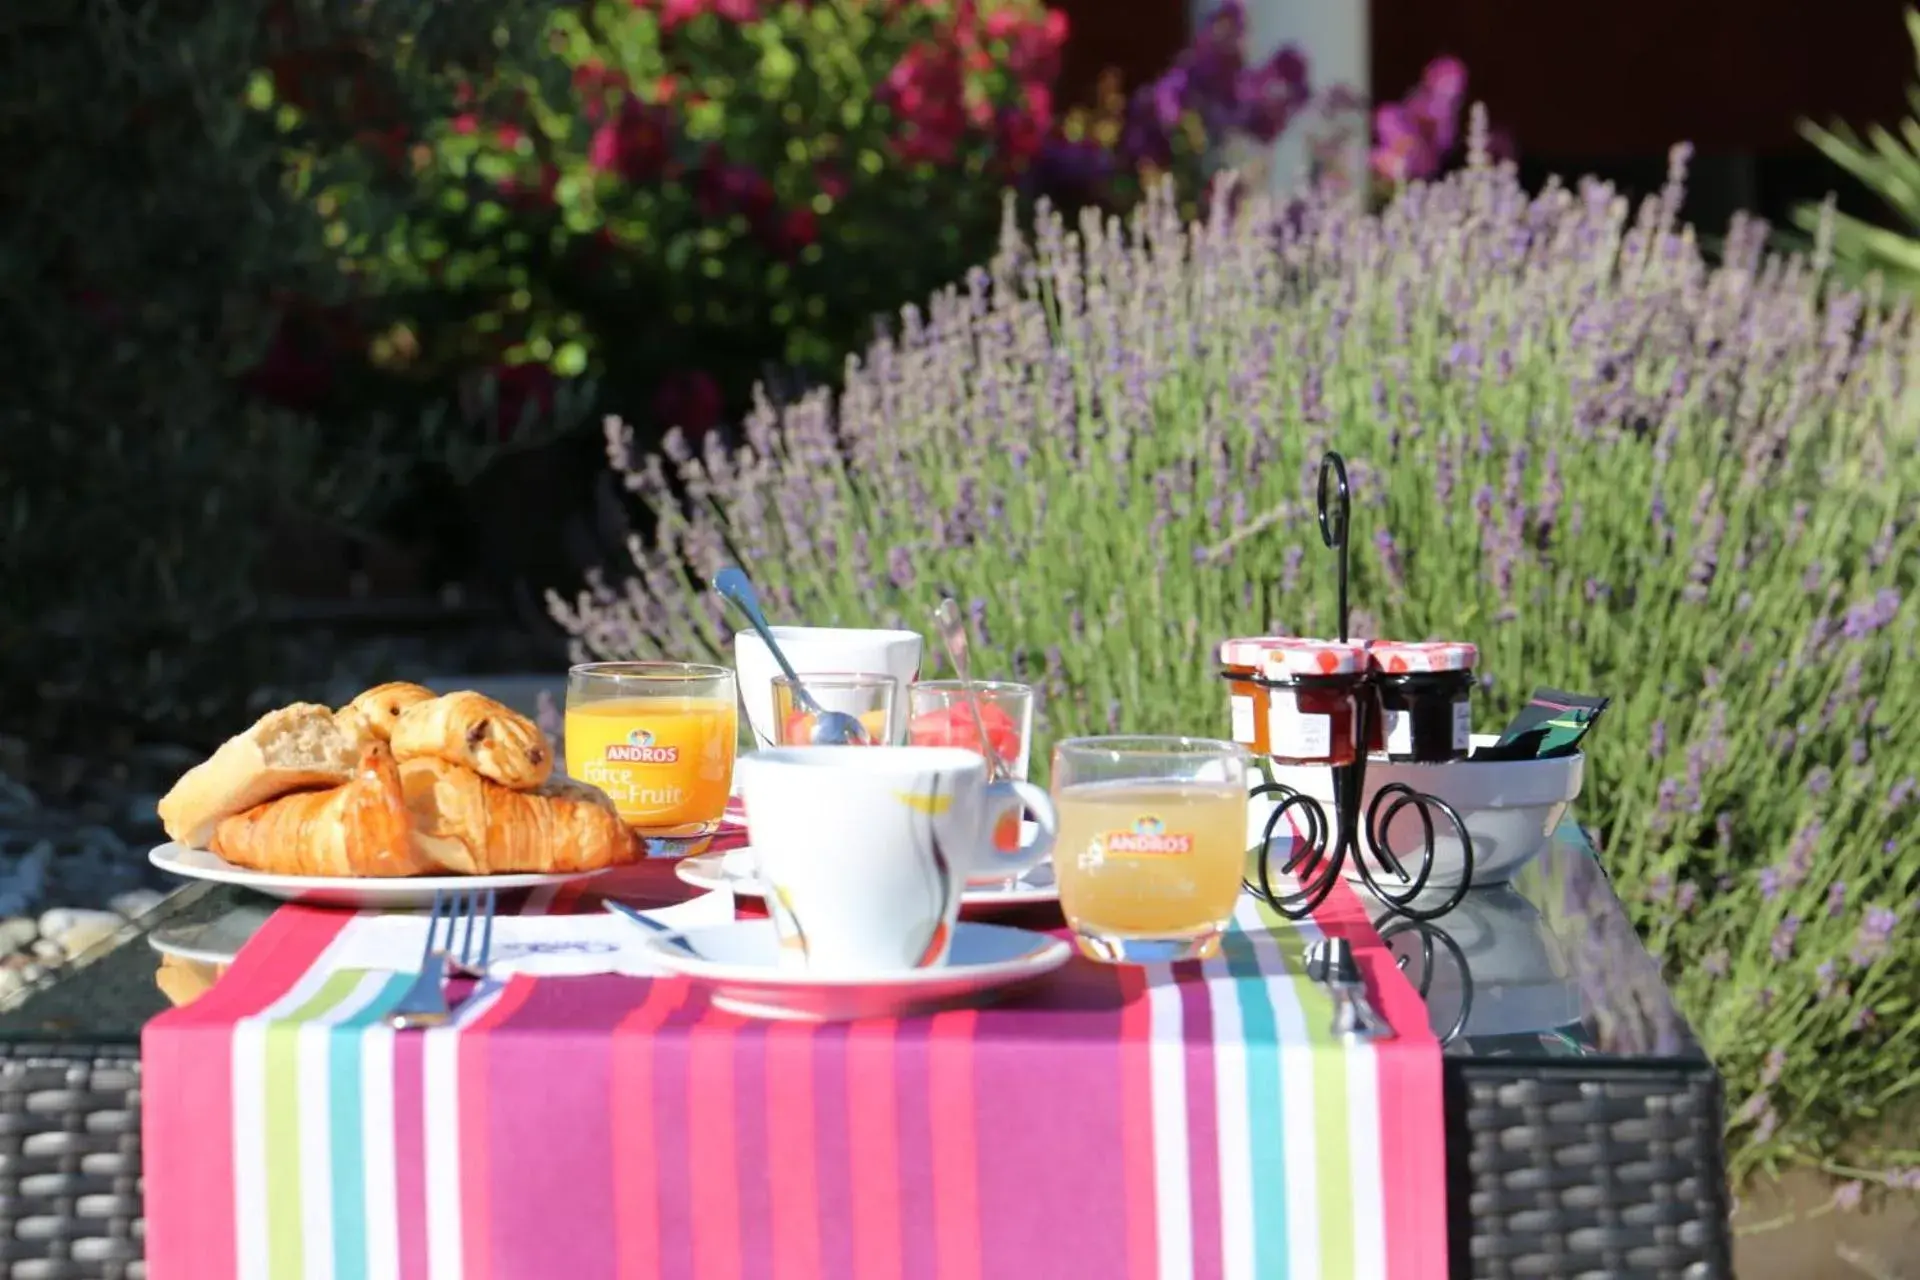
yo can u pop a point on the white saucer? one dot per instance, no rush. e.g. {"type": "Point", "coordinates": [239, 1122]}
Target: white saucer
{"type": "Point", "coordinates": [732, 871]}
{"type": "Point", "coordinates": [362, 893]}
{"type": "Point", "coordinates": [215, 941]}
{"type": "Point", "coordinates": [740, 963]}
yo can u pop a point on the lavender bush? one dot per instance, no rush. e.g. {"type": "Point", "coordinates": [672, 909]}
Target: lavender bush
{"type": "Point", "coordinates": [1615, 465]}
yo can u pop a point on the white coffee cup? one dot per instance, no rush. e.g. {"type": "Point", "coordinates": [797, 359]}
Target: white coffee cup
{"type": "Point", "coordinates": [823, 651]}
{"type": "Point", "coordinates": [865, 851]}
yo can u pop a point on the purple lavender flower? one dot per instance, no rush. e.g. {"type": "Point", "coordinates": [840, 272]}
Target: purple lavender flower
{"type": "Point", "coordinates": [977, 618]}
{"type": "Point", "coordinates": [1783, 936]}
{"type": "Point", "coordinates": [1837, 899]}
{"type": "Point", "coordinates": [1775, 1064]}
{"type": "Point", "coordinates": [900, 568]}
{"type": "Point", "coordinates": [1900, 794]}
{"type": "Point", "coordinates": [1864, 619]}
{"type": "Point", "coordinates": [1870, 940]}
{"type": "Point", "coordinates": [1290, 569]}
{"type": "Point", "coordinates": [1389, 553]}
{"type": "Point", "coordinates": [1846, 1196]}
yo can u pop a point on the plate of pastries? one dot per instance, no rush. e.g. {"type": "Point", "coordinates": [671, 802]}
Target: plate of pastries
{"type": "Point", "coordinates": [384, 802]}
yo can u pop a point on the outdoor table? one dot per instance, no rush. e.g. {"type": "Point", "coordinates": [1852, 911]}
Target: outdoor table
{"type": "Point", "coordinates": [1583, 1121]}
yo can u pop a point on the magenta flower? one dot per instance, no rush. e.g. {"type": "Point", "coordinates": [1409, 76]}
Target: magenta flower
{"type": "Point", "coordinates": [1413, 137]}
{"type": "Point", "coordinates": [1271, 94]}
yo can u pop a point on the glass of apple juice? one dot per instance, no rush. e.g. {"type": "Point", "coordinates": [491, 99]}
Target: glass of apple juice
{"type": "Point", "coordinates": [1152, 844]}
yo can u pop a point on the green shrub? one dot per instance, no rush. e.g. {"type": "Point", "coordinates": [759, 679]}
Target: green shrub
{"type": "Point", "coordinates": [684, 198]}
{"type": "Point", "coordinates": [1616, 466]}
{"type": "Point", "coordinates": [145, 263]}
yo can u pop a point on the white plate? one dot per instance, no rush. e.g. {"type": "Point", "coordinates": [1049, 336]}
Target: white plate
{"type": "Point", "coordinates": [740, 963]}
{"type": "Point", "coordinates": [215, 941]}
{"type": "Point", "coordinates": [729, 871]}
{"type": "Point", "coordinates": [362, 893]}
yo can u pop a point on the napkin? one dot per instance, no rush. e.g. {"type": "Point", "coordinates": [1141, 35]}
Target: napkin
{"type": "Point", "coordinates": [544, 945]}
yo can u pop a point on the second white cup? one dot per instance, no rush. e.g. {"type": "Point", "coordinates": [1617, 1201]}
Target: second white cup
{"type": "Point", "coordinates": [823, 651]}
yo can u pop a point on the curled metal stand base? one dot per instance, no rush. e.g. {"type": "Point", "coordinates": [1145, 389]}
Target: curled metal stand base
{"type": "Point", "coordinates": [1318, 852]}
{"type": "Point", "coordinates": [1433, 940]}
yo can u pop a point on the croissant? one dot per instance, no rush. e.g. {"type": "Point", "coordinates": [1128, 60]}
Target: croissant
{"type": "Point", "coordinates": [472, 729]}
{"type": "Point", "coordinates": [471, 826]}
{"type": "Point", "coordinates": [371, 716]}
{"type": "Point", "coordinates": [359, 828]}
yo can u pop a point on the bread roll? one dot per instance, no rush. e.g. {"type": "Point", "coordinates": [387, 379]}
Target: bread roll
{"type": "Point", "coordinates": [370, 717]}
{"type": "Point", "coordinates": [294, 748]}
{"type": "Point", "coordinates": [360, 828]}
{"type": "Point", "coordinates": [472, 826]}
{"type": "Point", "coordinates": [472, 729]}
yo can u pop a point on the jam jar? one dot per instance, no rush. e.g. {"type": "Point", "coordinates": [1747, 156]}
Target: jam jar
{"type": "Point", "coordinates": [1426, 691]}
{"type": "Point", "coordinates": [1312, 701]}
{"type": "Point", "coordinates": [1240, 664]}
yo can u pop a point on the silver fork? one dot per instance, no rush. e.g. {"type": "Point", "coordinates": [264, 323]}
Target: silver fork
{"type": "Point", "coordinates": [456, 917]}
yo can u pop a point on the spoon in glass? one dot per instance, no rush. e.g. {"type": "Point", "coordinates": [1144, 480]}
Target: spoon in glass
{"type": "Point", "coordinates": [953, 635]}
{"type": "Point", "coordinates": [830, 728]}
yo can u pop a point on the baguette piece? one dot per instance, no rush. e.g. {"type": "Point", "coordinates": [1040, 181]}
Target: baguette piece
{"type": "Point", "coordinates": [292, 749]}
{"type": "Point", "coordinates": [360, 828]}
{"type": "Point", "coordinates": [370, 717]}
{"type": "Point", "coordinates": [472, 826]}
{"type": "Point", "coordinates": [471, 729]}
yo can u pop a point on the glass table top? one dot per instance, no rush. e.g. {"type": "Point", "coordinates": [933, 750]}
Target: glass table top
{"type": "Point", "coordinates": [1547, 967]}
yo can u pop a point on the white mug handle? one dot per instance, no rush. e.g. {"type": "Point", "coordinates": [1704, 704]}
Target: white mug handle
{"type": "Point", "coordinates": [1004, 801]}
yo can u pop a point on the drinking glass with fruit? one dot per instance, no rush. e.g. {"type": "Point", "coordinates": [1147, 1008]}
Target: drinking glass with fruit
{"type": "Point", "coordinates": [866, 697]}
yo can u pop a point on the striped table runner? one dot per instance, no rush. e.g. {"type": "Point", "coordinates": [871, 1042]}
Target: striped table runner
{"type": "Point", "coordinates": [1189, 1120]}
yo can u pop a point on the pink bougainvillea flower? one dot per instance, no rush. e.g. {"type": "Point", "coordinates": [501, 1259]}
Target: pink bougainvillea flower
{"type": "Point", "coordinates": [635, 144]}
{"type": "Point", "coordinates": [675, 12]}
{"type": "Point", "coordinates": [689, 399]}
{"type": "Point", "coordinates": [926, 91]}
{"type": "Point", "coordinates": [794, 231]}
{"type": "Point", "coordinates": [721, 188]}
{"type": "Point", "coordinates": [833, 183]}
{"type": "Point", "coordinates": [1020, 132]}
{"type": "Point", "coordinates": [1034, 42]}
{"type": "Point", "coordinates": [466, 123]}
{"type": "Point", "coordinates": [531, 195]}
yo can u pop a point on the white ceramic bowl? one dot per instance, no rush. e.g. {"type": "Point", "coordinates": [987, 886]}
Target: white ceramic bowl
{"type": "Point", "coordinates": [1511, 808]}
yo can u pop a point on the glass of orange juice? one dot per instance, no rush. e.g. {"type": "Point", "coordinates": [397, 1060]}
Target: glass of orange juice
{"type": "Point", "coordinates": [867, 697]}
{"type": "Point", "coordinates": [1153, 835]}
{"type": "Point", "coordinates": [658, 738]}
